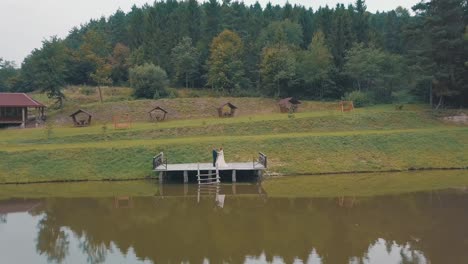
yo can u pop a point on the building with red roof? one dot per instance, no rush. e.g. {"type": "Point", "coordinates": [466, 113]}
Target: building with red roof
{"type": "Point", "coordinates": [18, 108]}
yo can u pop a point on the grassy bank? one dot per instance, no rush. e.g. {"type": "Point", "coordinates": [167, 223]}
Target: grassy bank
{"type": "Point", "coordinates": [323, 141]}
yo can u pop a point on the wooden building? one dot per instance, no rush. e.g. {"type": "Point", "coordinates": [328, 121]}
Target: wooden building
{"type": "Point", "coordinates": [157, 114]}
{"type": "Point", "coordinates": [19, 108]}
{"type": "Point", "coordinates": [227, 110]}
{"type": "Point", "coordinates": [81, 118]}
{"type": "Point", "coordinates": [288, 105]}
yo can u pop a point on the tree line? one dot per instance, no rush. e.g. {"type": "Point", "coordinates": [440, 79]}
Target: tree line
{"type": "Point", "coordinates": [277, 51]}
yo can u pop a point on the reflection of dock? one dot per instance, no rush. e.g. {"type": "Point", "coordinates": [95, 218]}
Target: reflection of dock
{"type": "Point", "coordinates": [194, 190]}
{"type": "Point", "coordinates": [189, 171]}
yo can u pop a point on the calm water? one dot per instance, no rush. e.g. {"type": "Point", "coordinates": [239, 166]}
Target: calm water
{"type": "Point", "coordinates": [240, 224]}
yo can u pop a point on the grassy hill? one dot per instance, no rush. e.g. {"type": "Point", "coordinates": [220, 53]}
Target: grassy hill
{"type": "Point", "coordinates": [319, 139]}
{"type": "Point", "coordinates": [187, 105]}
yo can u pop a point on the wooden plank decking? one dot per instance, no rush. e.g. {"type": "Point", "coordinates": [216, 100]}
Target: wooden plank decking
{"type": "Point", "coordinates": [161, 165]}
{"type": "Point", "coordinates": [209, 166]}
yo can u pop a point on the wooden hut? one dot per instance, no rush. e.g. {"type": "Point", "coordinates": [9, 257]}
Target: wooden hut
{"type": "Point", "coordinates": [288, 105]}
{"type": "Point", "coordinates": [81, 118]}
{"type": "Point", "coordinates": [157, 114]}
{"type": "Point", "coordinates": [227, 110]}
{"type": "Point", "coordinates": [19, 108]}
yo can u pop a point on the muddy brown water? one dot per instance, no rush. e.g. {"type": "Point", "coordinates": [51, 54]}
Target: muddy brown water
{"type": "Point", "coordinates": [236, 224]}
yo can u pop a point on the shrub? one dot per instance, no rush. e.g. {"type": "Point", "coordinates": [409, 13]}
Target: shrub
{"type": "Point", "coordinates": [149, 81]}
{"type": "Point", "coordinates": [359, 98]}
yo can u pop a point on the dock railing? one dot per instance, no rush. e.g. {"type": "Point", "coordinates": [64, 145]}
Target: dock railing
{"type": "Point", "coordinates": [261, 160]}
{"type": "Point", "coordinates": [159, 160]}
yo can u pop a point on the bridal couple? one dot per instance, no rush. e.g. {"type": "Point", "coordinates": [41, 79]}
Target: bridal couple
{"type": "Point", "coordinates": [218, 158]}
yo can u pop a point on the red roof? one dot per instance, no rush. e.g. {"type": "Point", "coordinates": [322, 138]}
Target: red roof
{"type": "Point", "coordinates": [18, 100]}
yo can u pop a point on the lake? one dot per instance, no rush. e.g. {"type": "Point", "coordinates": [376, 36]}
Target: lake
{"type": "Point", "coordinates": [142, 222]}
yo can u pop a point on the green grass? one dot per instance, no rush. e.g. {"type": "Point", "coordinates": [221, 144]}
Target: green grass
{"type": "Point", "coordinates": [371, 184]}
{"type": "Point", "coordinates": [289, 154]}
{"type": "Point", "coordinates": [323, 141]}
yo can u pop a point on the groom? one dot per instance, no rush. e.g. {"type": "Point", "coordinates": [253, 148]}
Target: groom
{"type": "Point", "coordinates": [215, 156]}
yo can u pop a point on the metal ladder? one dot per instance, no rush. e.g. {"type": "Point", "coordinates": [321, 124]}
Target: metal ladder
{"type": "Point", "coordinates": [208, 178]}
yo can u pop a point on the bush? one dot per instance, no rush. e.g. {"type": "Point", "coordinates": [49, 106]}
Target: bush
{"type": "Point", "coordinates": [359, 98]}
{"type": "Point", "coordinates": [149, 81]}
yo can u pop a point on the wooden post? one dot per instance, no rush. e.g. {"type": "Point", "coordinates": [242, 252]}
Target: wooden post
{"type": "Point", "coordinates": [259, 173]}
{"type": "Point", "coordinates": [185, 176]}
{"type": "Point", "coordinates": [234, 176]}
{"type": "Point", "coordinates": [234, 189]}
{"type": "Point", "coordinates": [23, 124]}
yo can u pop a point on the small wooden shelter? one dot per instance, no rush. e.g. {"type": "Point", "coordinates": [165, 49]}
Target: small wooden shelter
{"type": "Point", "coordinates": [346, 106]}
{"type": "Point", "coordinates": [157, 114]}
{"type": "Point", "coordinates": [81, 118]}
{"type": "Point", "coordinates": [289, 104]}
{"type": "Point", "coordinates": [227, 110]}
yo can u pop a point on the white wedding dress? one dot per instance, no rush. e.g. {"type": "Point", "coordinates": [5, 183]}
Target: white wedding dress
{"type": "Point", "coordinates": [220, 163]}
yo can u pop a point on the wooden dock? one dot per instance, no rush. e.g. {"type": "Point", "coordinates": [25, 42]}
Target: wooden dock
{"type": "Point", "coordinates": [161, 165]}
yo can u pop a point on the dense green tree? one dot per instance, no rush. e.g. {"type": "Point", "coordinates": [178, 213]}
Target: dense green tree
{"type": "Point", "coordinates": [225, 65]}
{"type": "Point", "coordinates": [281, 32]}
{"type": "Point", "coordinates": [316, 63]}
{"type": "Point", "coordinates": [185, 60]}
{"type": "Point", "coordinates": [46, 69]}
{"type": "Point", "coordinates": [442, 47]}
{"type": "Point", "coordinates": [278, 70]}
{"type": "Point", "coordinates": [120, 62]}
{"type": "Point", "coordinates": [8, 75]}
{"type": "Point", "coordinates": [342, 36]}
{"type": "Point", "coordinates": [361, 21]}
{"type": "Point", "coordinates": [375, 71]}
{"type": "Point", "coordinates": [149, 81]}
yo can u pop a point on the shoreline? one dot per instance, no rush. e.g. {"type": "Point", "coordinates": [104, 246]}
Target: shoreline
{"type": "Point", "coordinates": [268, 177]}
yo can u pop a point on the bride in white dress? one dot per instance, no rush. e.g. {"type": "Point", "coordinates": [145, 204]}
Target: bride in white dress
{"type": "Point", "coordinates": [220, 163]}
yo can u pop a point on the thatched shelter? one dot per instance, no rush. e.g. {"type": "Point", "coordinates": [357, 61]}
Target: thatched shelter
{"type": "Point", "coordinates": [289, 104]}
{"type": "Point", "coordinates": [81, 118]}
{"type": "Point", "coordinates": [227, 110]}
{"type": "Point", "coordinates": [157, 114]}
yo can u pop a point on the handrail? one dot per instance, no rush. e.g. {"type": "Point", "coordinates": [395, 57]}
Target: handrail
{"type": "Point", "coordinates": [159, 160]}
{"type": "Point", "coordinates": [262, 160]}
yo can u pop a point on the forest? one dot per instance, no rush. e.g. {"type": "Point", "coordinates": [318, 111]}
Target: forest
{"type": "Point", "coordinates": [332, 53]}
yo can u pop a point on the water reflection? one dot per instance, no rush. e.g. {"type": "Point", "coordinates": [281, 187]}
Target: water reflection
{"type": "Point", "coordinates": [184, 224]}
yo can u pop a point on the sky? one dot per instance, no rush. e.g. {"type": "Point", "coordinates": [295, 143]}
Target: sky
{"type": "Point", "coordinates": [25, 23]}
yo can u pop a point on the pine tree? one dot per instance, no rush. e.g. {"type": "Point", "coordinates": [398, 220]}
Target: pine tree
{"type": "Point", "coordinates": [361, 21]}
{"type": "Point", "coordinates": [442, 27]}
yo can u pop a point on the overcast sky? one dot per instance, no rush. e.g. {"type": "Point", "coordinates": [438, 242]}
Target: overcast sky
{"type": "Point", "coordinates": [25, 23]}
